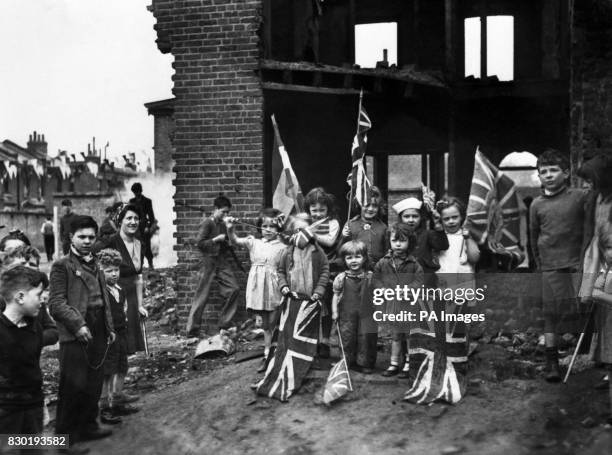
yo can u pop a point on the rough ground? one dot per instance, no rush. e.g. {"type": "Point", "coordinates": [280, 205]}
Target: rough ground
{"type": "Point", "coordinates": [206, 406]}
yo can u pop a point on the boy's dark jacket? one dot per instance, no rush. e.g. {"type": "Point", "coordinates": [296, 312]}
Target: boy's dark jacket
{"type": "Point", "coordinates": [69, 295]}
{"type": "Point", "coordinates": [320, 269]}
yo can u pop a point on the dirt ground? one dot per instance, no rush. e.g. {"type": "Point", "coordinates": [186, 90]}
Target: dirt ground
{"type": "Point", "coordinates": [206, 407]}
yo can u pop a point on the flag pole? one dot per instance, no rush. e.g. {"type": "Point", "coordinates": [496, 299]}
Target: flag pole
{"type": "Point", "coordinates": [348, 216]}
{"type": "Point", "coordinates": [348, 375]}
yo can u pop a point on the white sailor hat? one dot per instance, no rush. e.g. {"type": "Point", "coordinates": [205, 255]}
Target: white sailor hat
{"type": "Point", "coordinates": [408, 203]}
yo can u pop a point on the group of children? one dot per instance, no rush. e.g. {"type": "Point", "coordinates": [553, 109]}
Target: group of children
{"type": "Point", "coordinates": [427, 245]}
{"type": "Point", "coordinates": [26, 326]}
{"type": "Point", "coordinates": [316, 259]}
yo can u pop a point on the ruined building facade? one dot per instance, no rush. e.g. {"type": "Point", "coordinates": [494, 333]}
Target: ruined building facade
{"type": "Point", "coordinates": [239, 61]}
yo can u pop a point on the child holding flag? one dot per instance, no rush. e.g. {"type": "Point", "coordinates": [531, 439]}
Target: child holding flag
{"type": "Point", "coordinates": [352, 308]}
{"type": "Point", "coordinates": [326, 229]}
{"type": "Point", "coordinates": [262, 290]}
{"type": "Point", "coordinates": [303, 267]}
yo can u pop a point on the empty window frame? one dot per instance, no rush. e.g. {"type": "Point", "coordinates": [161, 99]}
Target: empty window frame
{"type": "Point", "coordinates": [498, 34]}
{"type": "Point", "coordinates": [371, 40]}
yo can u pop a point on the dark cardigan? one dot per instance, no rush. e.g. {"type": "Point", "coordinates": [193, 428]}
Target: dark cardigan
{"type": "Point", "coordinates": [320, 269]}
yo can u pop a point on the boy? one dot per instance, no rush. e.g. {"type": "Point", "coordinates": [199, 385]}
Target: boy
{"type": "Point", "coordinates": [556, 232]}
{"type": "Point", "coordinates": [116, 363]}
{"type": "Point", "coordinates": [216, 252]}
{"type": "Point", "coordinates": [21, 342]}
{"type": "Point", "coordinates": [79, 304]}
{"type": "Point", "coordinates": [65, 222]}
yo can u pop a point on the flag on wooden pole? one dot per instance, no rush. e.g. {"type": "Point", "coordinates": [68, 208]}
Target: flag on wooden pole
{"type": "Point", "coordinates": [339, 381]}
{"type": "Point", "coordinates": [360, 185]}
{"type": "Point", "coordinates": [288, 195]}
{"type": "Point", "coordinates": [494, 210]}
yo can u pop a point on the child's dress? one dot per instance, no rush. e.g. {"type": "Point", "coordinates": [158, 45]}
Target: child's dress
{"type": "Point", "coordinates": [262, 289]}
{"type": "Point", "coordinates": [455, 270]}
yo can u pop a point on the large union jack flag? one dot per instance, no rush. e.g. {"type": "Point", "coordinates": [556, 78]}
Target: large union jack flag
{"type": "Point", "coordinates": [494, 209]}
{"type": "Point", "coordinates": [298, 334]}
{"type": "Point", "coordinates": [438, 356]}
{"type": "Point", "coordinates": [360, 185]}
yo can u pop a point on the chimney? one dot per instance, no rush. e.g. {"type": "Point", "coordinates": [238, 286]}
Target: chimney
{"type": "Point", "coordinates": [37, 145]}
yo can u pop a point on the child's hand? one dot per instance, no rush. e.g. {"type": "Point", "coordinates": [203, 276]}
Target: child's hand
{"type": "Point", "coordinates": [335, 315]}
{"type": "Point", "coordinates": [83, 335]}
{"type": "Point", "coordinates": [285, 290]}
{"type": "Point", "coordinates": [465, 233]}
{"type": "Point", "coordinates": [346, 231]}
{"type": "Point", "coordinates": [315, 297]}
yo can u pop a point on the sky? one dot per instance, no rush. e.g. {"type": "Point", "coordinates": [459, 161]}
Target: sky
{"type": "Point", "coordinates": [75, 69]}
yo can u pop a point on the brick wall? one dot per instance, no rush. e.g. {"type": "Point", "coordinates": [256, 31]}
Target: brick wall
{"type": "Point", "coordinates": [218, 140]}
{"type": "Point", "coordinates": [591, 105]}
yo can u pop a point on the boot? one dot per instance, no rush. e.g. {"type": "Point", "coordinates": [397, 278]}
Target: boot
{"type": "Point", "coordinates": [552, 365]}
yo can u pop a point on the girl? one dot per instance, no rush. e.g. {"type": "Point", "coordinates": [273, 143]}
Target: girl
{"type": "Point", "coordinates": [262, 290]}
{"type": "Point", "coordinates": [352, 308]}
{"type": "Point", "coordinates": [602, 295]}
{"type": "Point", "coordinates": [463, 253]}
{"type": "Point", "coordinates": [429, 243]}
{"type": "Point", "coordinates": [399, 267]}
{"type": "Point", "coordinates": [326, 229]}
{"type": "Point", "coordinates": [369, 228]}
{"type": "Point", "coordinates": [303, 267]}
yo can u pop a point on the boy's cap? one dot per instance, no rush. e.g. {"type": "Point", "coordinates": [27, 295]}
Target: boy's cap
{"type": "Point", "coordinates": [408, 203]}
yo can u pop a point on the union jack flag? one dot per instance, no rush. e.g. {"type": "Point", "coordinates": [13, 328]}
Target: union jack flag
{"type": "Point", "coordinates": [298, 334]}
{"type": "Point", "coordinates": [288, 194]}
{"type": "Point", "coordinates": [494, 210]}
{"type": "Point", "coordinates": [360, 185]}
{"type": "Point", "coordinates": [338, 382]}
{"type": "Point", "coordinates": [438, 355]}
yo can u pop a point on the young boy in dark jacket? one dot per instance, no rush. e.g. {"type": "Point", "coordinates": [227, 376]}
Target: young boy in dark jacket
{"type": "Point", "coordinates": [21, 342]}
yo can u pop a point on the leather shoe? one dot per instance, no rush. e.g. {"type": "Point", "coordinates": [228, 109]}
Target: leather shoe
{"type": "Point", "coordinates": [391, 371]}
{"type": "Point", "coordinates": [107, 416]}
{"type": "Point", "coordinates": [94, 433]}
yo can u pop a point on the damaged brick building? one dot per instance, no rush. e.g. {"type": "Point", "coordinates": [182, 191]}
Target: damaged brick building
{"type": "Point", "coordinates": [239, 61]}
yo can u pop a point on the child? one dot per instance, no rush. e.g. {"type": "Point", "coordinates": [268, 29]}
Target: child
{"type": "Point", "coordinates": [369, 228]}
{"type": "Point", "coordinates": [115, 365]}
{"type": "Point", "coordinates": [303, 268]}
{"type": "Point", "coordinates": [429, 243]}
{"type": "Point", "coordinates": [216, 265]}
{"type": "Point", "coordinates": [352, 308]}
{"type": "Point", "coordinates": [602, 295]}
{"type": "Point", "coordinates": [326, 229]}
{"type": "Point", "coordinates": [463, 252]}
{"type": "Point", "coordinates": [262, 290]}
{"type": "Point", "coordinates": [556, 231]}
{"type": "Point", "coordinates": [21, 342]}
{"type": "Point", "coordinates": [399, 267]}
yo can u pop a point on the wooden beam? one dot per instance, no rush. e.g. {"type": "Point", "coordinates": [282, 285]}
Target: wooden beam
{"type": "Point", "coordinates": [309, 89]}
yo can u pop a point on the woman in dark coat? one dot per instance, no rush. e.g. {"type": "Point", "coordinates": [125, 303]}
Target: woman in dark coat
{"type": "Point", "coordinates": [130, 272]}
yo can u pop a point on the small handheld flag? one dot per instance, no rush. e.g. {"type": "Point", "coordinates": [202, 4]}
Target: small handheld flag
{"type": "Point", "coordinates": [288, 196]}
